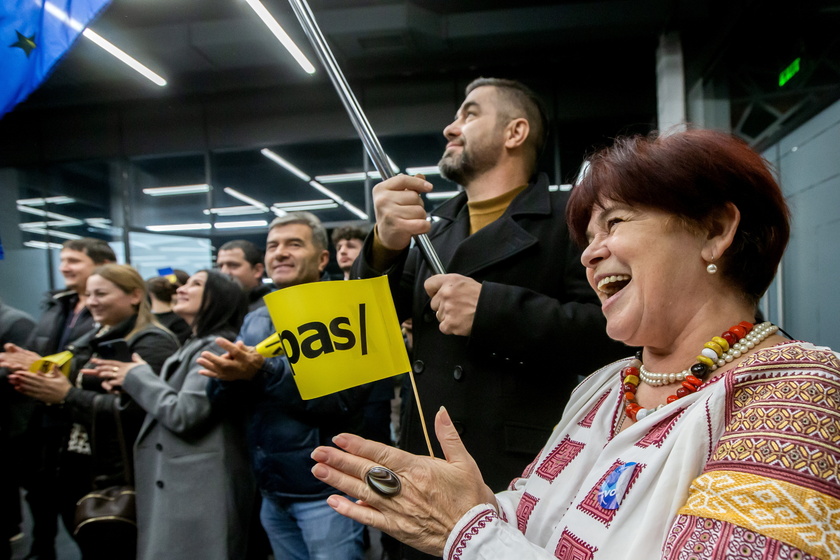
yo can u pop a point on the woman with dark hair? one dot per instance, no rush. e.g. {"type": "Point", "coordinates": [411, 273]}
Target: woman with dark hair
{"type": "Point", "coordinates": [193, 480]}
{"type": "Point", "coordinates": [718, 439]}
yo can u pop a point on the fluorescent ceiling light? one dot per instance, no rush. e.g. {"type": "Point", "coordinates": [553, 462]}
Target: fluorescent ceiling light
{"type": "Point", "coordinates": [285, 164]}
{"type": "Point", "coordinates": [314, 184]}
{"type": "Point", "coordinates": [245, 224]}
{"type": "Point", "coordinates": [65, 220]}
{"type": "Point", "coordinates": [179, 227]}
{"type": "Point", "coordinates": [233, 211]}
{"type": "Point", "coordinates": [442, 195]}
{"type": "Point", "coordinates": [282, 211]}
{"type": "Point", "coordinates": [286, 207]}
{"type": "Point", "coordinates": [555, 188]}
{"type": "Point", "coordinates": [124, 58]}
{"type": "Point", "coordinates": [62, 16]}
{"type": "Point", "coordinates": [247, 199]}
{"type": "Point", "coordinates": [182, 189]}
{"type": "Point", "coordinates": [423, 170]}
{"type": "Point", "coordinates": [42, 245]}
{"type": "Point", "coordinates": [281, 35]}
{"type": "Point", "coordinates": [28, 228]}
{"type": "Point", "coordinates": [289, 205]}
{"type": "Point", "coordinates": [98, 222]}
{"type": "Point", "coordinates": [48, 200]}
{"type": "Point", "coordinates": [348, 177]}
{"type": "Point", "coordinates": [322, 189]}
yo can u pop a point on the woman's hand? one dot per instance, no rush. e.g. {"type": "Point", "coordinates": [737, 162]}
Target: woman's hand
{"type": "Point", "coordinates": [51, 388]}
{"type": "Point", "coordinates": [16, 358]}
{"type": "Point", "coordinates": [435, 493]}
{"type": "Point", "coordinates": [112, 372]}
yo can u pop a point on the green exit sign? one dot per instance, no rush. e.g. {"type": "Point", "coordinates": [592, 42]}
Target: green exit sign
{"type": "Point", "coordinates": [789, 72]}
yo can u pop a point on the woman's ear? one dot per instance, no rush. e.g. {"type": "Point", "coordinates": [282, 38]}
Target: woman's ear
{"type": "Point", "coordinates": [137, 296]}
{"type": "Point", "coordinates": [722, 228]}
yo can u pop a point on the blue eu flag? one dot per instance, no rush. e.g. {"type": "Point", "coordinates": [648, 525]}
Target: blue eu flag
{"type": "Point", "coordinates": [34, 35]}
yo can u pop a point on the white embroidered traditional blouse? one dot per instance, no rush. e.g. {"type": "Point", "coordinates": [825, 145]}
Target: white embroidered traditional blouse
{"type": "Point", "coordinates": [747, 467]}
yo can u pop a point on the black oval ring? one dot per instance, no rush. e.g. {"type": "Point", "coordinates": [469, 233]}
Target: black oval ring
{"type": "Point", "coordinates": [384, 482]}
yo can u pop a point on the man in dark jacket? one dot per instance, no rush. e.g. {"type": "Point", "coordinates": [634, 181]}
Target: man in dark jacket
{"type": "Point", "coordinates": [283, 429]}
{"type": "Point", "coordinates": [503, 337]}
{"type": "Point", "coordinates": [65, 318]}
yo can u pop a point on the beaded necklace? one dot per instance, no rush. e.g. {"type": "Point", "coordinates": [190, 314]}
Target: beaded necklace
{"type": "Point", "coordinates": [716, 353]}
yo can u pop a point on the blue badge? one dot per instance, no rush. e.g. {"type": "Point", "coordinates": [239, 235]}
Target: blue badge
{"type": "Point", "coordinates": [614, 486]}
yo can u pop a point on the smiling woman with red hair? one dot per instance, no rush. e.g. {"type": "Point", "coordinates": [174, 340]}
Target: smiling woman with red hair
{"type": "Point", "coordinates": [719, 438]}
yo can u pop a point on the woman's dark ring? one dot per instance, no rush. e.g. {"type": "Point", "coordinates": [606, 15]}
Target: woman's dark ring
{"type": "Point", "coordinates": [383, 481]}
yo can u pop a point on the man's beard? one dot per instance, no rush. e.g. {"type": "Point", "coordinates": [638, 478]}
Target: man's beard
{"type": "Point", "coordinates": [458, 169]}
{"type": "Point", "coordinates": [471, 163]}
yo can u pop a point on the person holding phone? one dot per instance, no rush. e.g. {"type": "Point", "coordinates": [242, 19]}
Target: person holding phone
{"type": "Point", "coordinates": [116, 298]}
{"type": "Point", "coordinates": [192, 475]}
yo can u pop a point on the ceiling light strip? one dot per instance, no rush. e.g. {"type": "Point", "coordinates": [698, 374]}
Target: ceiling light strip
{"type": "Point", "coordinates": [246, 199]}
{"type": "Point", "coordinates": [124, 58]}
{"type": "Point", "coordinates": [179, 227]}
{"type": "Point", "coordinates": [423, 170]}
{"type": "Point", "coordinates": [47, 200]}
{"type": "Point", "coordinates": [281, 35]}
{"type": "Point", "coordinates": [348, 177]}
{"type": "Point", "coordinates": [442, 195]}
{"type": "Point", "coordinates": [322, 189]}
{"type": "Point", "coordinates": [76, 25]}
{"type": "Point", "coordinates": [233, 211]}
{"type": "Point", "coordinates": [285, 164]}
{"type": "Point", "coordinates": [286, 205]}
{"type": "Point", "coordinates": [177, 190]}
{"type": "Point", "coordinates": [42, 245]}
{"type": "Point", "coordinates": [314, 184]}
{"type": "Point", "coordinates": [239, 225]}
{"type": "Point", "coordinates": [68, 221]}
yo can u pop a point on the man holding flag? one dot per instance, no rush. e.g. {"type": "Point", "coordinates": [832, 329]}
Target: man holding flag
{"type": "Point", "coordinates": [283, 429]}
{"type": "Point", "coordinates": [504, 335]}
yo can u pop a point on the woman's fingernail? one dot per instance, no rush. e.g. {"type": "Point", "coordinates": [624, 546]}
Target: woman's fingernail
{"type": "Point", "coordinates": [444, 419]}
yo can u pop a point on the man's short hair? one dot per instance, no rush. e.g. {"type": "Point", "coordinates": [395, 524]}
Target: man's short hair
{"type": "Point", "coordinates": [98, 250]}
{"type": "Point", "coordinates": [521, 101]}
{"type": "Point", "coordinates": [252, 253]}
{"type": "Point", "coordinates": [349, 232]}
{"type": "Point", "coordinates": [319, 234]}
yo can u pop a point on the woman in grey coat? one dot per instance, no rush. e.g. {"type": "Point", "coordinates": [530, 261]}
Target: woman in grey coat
{"type": "Point", "coordinates": [193, 480]}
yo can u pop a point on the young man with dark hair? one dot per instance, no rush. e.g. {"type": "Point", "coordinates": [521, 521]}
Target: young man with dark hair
{"type": "Point", "coordinates": [348, 242]}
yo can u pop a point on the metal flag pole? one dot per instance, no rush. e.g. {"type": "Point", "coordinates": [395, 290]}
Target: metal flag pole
{"type": "Point", "coordinates": [357, 116]}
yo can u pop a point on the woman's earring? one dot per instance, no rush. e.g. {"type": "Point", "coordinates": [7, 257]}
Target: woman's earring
{"type": "Point", "coordinates": [711, 268]}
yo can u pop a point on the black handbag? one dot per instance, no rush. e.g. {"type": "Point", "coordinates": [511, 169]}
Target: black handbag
{"type": "Point", "coordinates": [109, 512]}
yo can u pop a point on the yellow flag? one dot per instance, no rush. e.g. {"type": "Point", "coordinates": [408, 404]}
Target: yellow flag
{"type": "Point", "coordinates": [338, 335]}
{"type": "Point", "coordinates": [45, 364]}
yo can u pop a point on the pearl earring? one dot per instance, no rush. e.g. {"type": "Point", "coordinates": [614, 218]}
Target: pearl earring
{"type": "Point", "coordinates": [711, 268]}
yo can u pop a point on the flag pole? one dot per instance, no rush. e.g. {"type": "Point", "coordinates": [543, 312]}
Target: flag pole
{"type": "Point", "coordinates": [357, 116]}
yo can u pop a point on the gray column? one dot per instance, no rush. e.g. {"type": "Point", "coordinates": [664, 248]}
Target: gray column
{"type": "Point", "coordinates": [670, 84]}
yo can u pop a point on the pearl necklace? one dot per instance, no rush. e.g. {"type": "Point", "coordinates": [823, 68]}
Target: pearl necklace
{"type": "Point", "coordinates": [717, 353]}
{"type": "Point", "coordinates": [730, 345]}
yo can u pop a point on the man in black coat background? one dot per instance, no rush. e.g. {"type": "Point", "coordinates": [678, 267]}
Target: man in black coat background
{"type": "Point", "coordinates": [502, 338]}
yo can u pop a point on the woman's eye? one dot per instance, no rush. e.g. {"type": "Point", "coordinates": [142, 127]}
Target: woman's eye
{"type": "Point", "coordinates": [612, 222]}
